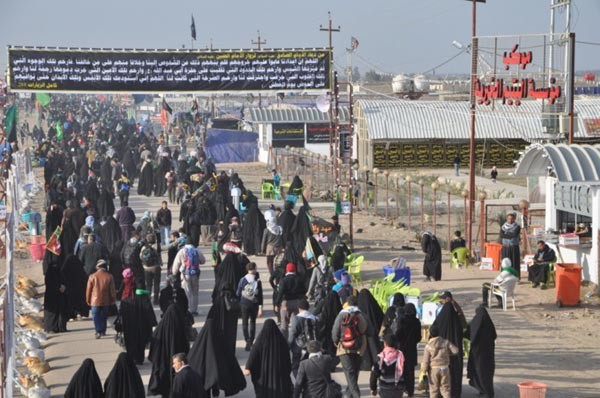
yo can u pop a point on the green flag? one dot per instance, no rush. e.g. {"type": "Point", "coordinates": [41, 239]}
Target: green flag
{"type": "Point", "coordinates": [10, 123]}
{"type": "Point", "coordinates": [338, 203]}
{"type": "Point", "coordinates": [43, 99]}
{"type": "Point", "coordinates": [59, 131]}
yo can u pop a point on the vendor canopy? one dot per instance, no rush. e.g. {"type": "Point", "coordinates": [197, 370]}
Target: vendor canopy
{"type": "Point", "coordinates": [106, 70]}
{"type": "Point", "coordinates": [569, 163]}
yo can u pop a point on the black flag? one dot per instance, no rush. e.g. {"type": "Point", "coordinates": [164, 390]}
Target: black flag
{"type": "Point", "coordinates": [166, 106]}
{"type": "Point", "coordinates": [193, 27]}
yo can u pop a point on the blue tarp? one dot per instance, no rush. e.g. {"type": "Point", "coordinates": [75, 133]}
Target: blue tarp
{"type": "Point", "coordinates": [231, 146]}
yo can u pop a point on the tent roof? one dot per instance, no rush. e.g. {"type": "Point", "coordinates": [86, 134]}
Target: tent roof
{"type": "Point", "coordinates": [569, 163]}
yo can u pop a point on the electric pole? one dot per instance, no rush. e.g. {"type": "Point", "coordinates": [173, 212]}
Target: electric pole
{"type": "Point", "coordinates": [330, 30]}
{"type": "Point", "coordinates": [258, 43]}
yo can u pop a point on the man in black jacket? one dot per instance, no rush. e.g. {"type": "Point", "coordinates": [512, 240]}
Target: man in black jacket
{"type": "Point", "coordinates": [187, 383]}
{"type": "Point", "coordinates": [314, 373]}
{"type": "Point", "coordinates": [163, 218]}
{"type": "Point", "coordinates": [538, 271]}
{"type": "Point", "coordinates": [288, 293]}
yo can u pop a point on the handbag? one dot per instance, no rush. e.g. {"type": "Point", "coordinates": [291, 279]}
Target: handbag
{"type": "Point", "coordinates": [232, 303]}
{"type": "Point", "coordinates": [333, 389]}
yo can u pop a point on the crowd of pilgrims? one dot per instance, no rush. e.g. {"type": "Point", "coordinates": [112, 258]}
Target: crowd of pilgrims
{"type": "Point", "coordinates": [319, 319]}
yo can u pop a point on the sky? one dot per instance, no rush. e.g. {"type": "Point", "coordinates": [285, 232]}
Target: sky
{"type": "Point", "coordinates": [395, 36]}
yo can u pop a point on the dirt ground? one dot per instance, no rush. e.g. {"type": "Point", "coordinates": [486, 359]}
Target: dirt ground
{"type": "Point", "coordinates": [538, 341]}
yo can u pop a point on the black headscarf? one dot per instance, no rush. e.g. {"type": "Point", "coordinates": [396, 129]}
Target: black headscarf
{"type": "Point", "coordinates": [449, 326]}
{"type": "Point", "coordinates": [218, 369]}
{"type": "Point", "coordinates": [168, 339]}
{"type": "Point", "coordinates": [269, 363]}
{"type": "Point", "coordinates": [85, 383]}
{"type": "Point", "coordinates": [329, 311]}
{"type": "Point", "coordinates": [124, 380]}
{"type": "Point", "coordinates": [482, 364]}
{"type": "Point", "coordinates": [374, 315]}
{"type": "Point", "coordinates": [57, 310]}
{"type": "Point", "coordinates": [252, 231]}
{"type": "Point", "coordinates": [106, 205]}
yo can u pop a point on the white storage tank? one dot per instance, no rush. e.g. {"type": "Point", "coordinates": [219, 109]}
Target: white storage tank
{"type": "Point", "coordinates": [402, 84]}
{"type": "Point", "coordinates": [421, 83]}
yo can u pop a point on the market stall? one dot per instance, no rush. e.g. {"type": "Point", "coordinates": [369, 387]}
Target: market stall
{"type": "Point", "coordinates": [572, 200]}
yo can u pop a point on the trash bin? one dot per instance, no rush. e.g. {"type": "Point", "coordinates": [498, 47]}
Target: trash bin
{"type": "Point", "coordinates": [37, 251]}
{"type": "Point", "coordinates": [399, 273]}
{"type": "Point", "coordinates": [493, 250]}
{"type": "Point", "coordinates": [568, 284]}
{"type": "Point", "coordinates": [532, 389]}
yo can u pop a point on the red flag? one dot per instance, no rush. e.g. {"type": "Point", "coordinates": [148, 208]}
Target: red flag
{"type": "Point", "coordinates": [164, 117]}
{"type": "Point", "coordinates": [53, 244]}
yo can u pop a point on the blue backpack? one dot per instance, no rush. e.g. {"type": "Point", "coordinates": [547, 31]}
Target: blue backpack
{"type": "Point", "coordinates": [191, 261]}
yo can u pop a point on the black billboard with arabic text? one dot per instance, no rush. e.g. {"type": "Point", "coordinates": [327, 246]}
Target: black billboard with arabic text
{"type": "Point", "coordinates": [50, 70]}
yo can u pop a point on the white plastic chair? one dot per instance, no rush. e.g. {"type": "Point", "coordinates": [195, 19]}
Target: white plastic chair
{"type": "Point", "coordinates": [496, 291]}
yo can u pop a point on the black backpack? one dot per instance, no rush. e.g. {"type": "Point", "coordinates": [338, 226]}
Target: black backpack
{"type": "Point", "coordinates": [309, 332]}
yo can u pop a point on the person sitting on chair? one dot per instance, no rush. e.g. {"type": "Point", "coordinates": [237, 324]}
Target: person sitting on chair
{"type": "Point", "coordinates": [457, 241]}
{"type": "Point", "coordinates": [538, 271]}
{"type": "Point", "coordinates": [507, 280]}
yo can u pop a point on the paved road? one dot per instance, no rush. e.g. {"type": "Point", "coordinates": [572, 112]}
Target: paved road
{"type": "Point", "coordinates": [524, 350]}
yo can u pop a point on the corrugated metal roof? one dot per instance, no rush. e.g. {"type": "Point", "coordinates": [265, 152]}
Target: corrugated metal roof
{"type": "Point", "coordinates": [570, 163]}
{"type": "Point", "coordinates": [423, 120]}
{"type": "Point", "coordinates": [302, 115]}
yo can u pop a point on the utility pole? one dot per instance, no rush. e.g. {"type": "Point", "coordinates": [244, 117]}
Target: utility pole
{"type": "Point", "coordinates": [474, 51]}
{"type": "Point", "coordinates": [258, 43]}
{"type": "Point", "coordinates": [330, 30]}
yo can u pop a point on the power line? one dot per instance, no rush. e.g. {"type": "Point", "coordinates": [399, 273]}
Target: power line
{"type": "Point", "coordinates": [589, 43]}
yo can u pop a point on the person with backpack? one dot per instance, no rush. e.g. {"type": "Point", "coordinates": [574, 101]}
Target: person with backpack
{"type": "Point", "coordinates": [187, 265]}
{"type": "Point", "coordinates": [250, 294]}
{"type": "Point", "coordinates": [302, 330]}
{"type": "Point", "coordinates": [388, 371]}
{"type": "Point", "coordinates": [320, 280]}
{"type": "Point", "coordinates": [349, 335]}
{"type": "Point", "coordinates": [123, 188]}
{"type": "Point", "coordinates": [152, 262]}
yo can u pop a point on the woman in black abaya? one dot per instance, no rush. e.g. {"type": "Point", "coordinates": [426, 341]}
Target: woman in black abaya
{"type": "Point", "coordinates": [327, 313]}
{"type": "Point", "coordinates": [252, 231]}
{"type": "Point", "coordinates": [225, 312]}
{"type": "Point", "coordinates": [110, 233]}
{"type": "Point", "coordinates": [124, 380]}
{"type": "Point", "coordinates": [138, 319]}
{"type": "Point", "coordinates": [301, 229]}
{"type": "Point", "coordinates": [219, 370]}
{"type": "Point", "coordinates": [432, 265]}
{"type": "Point", "coordinates": [482, 363]}
{"type": "Point", "coordinates": [75, 282]}
{"type": "Point", "coordinates": [286, 221]}
{"type": "Point", "coordinates": [408, 338]}
{"type": "Point", "coordinates": [146, 182]}
{"type": "Point", "coordinates": [374, 316]}
{"type": "Point", "coordinates": [168, 339]}
{"type": "Point", "coordinates": [269, 363]}
{"type": "Point", "coordinates": [106, 205]}
{"type": "Point", "coordinates": [85, 383]}
{"type": "Point", "coordinates": [57, 310]}
{"type": "Point", "coordinates": [450, 328]}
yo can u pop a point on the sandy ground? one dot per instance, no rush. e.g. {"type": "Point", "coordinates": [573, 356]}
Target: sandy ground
{"type": "Point", "coordinates": [536, 342]}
